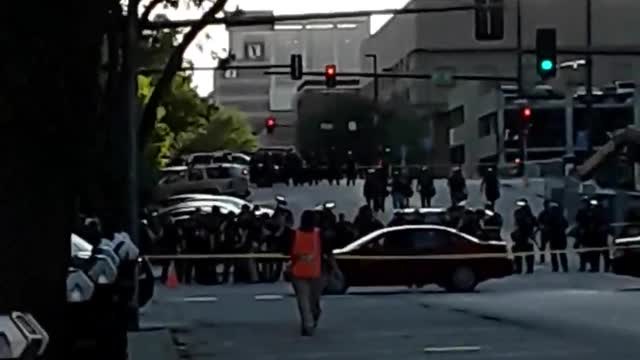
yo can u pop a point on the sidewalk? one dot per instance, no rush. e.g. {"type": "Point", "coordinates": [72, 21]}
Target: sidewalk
{"type": "Point", "coordinates": [152, 345]}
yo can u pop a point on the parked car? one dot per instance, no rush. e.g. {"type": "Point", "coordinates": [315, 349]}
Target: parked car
{"type": "Point", "coordinates": [186, 209]}
{"type": "Point", "coordinates": [219, 179]}
{"type": "Point", "coordinates": [451, 274]}
{"type": "Point", "coordinates": [625, 257]}
{"type": "Point", "coordinates": [217, 157]}
{"type": "Point", "coordinates": [177, 199]}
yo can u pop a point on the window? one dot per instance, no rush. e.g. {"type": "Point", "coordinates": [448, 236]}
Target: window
{"type": "Point", "coordinates": [486, 124]}
{"type": "Point", "coordinates": [428, 240]}
{"type": "Point", "coordinates": [196, 175]}
{"type": "Point", "coordinates": [230, 74]}
{"type": "Point", "coordinates": [397, 241]}
{"type": "Point", "coordinates": [489, 20]}
{"type": "Point", "coordinates": [172, 177]}
{"type": "Point", "coordinates": [218, 173]}
{"type": "Point", "coordinates": [254, 50]}
{"type": "Point", "coordinates": [201, 159]}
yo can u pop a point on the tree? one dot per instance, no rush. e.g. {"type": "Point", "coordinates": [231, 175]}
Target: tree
{"type": "Point", "coordinates": [49, 101]}
{"type": "Point", "coordinates": [227, 129]}
{"type": "Point", "coordinates": [174, 62]}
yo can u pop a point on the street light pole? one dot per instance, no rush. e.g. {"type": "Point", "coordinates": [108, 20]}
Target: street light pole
{"type": "Point", "coordinates": [374, 58]}
{"type": "Point", "coordinates": [589, 83]}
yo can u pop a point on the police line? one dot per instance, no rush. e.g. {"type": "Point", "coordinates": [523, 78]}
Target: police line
{"type": "Point", "coordinates": [277, 256]}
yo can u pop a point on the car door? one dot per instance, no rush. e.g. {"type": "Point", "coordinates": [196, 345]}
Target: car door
{"type": "Point", "coordinates": [429, 242]}
{"type": "Point", "coordinates": [195, 180]}
{"type": "Point", "coordinates": [397, 271]}
{"type": "Point", "coordinates": [365, 272]}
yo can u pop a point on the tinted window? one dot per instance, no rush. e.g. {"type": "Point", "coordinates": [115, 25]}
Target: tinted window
{"type": "Point", "coordinates": [397, 240]}
{"type": "Point", "coordinates": [429, 240]}
{"type": "Point", "coordinates": [218, 173]}
{"type": "Point", "coordinates": [196, 175]}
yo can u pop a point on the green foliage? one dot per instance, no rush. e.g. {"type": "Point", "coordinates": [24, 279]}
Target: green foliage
{"type": "Point", "coordinates": [228, 129]}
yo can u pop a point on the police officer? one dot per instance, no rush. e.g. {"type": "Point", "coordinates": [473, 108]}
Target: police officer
{"type": "Point", "coordinates": [470, 224]}
{"type": "Point", "coordinates": [365, 222]}
{"type": "Point", "coordinates": [582, 224]}
{"type": "Point", "coordinates": [522, 236]}
{"type": "Point", "coordinates": [600, 236]}
{"type": "Point", "coordinates": [282, 210]}
{"type": "Point", "coordinates": [426, 187]}
{"type": "Point", "coordinates": [369, 185]}
{"type": "Point", "coordinates": [492, 223]}
{"type": "Point", "coordinates": [556, 227]}
{"type": "Point", "coordinates": [351, 169]}
{"type": "Point", "coordinates": [397, 190]}
{"type": "Point", "coordinates": [457, 186]}
{"type": "Point", "coordinates": [380, 191]}
{"type": "Point", "coordinates": [490, 185]}
{"type": "Point", "coordinates": [544, 222]}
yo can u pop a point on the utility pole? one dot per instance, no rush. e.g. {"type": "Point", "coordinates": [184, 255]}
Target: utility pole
{"type": "Point", "coordinates": [589, 90]}
{"type": "Point", "coordinates": [376, 88]}
{"type": "Point", "coordinates": [131, 116]}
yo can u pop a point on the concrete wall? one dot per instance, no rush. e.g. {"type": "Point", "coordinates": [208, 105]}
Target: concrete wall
{"type": "Point", "coordinates": [477, 100]}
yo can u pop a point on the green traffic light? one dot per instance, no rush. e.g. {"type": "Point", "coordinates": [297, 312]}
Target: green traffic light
{"type": "Point", "coordinates": [546, 65]}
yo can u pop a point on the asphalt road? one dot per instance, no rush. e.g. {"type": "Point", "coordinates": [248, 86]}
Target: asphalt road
{"type": "Point", "coordinates": [544, 316]}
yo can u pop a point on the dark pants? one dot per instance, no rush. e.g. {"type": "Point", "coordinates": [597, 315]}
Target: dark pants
{"type": "Point", "coordinates": [559, 246]}
{"type": "Point", "coordinates": [529, 259]}
{"type": "Point", "coordinates": [351, 181]}
{"type": "Point", "coordinates": [425, 199]}
{"type": "Point", "coordinates": [544, 242]}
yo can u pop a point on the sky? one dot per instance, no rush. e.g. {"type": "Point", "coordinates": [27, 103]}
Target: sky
{"type": "Point", "coordinates": [217, 40]}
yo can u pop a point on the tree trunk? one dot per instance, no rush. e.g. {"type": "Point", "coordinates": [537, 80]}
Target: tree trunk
{"type": "Point", "coordinates": [48, 102]}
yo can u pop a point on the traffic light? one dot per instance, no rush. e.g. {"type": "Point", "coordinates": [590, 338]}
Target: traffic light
{"type": "Point", "coordinates": [296, 66]}
{"type": "Point", "coordinates": [270, 124]}
{"type": "Point", "coordinates": [546, 53]}
{"type": "Point", "coordinates": [330, 76]}
{"type": "Point", "coordinates": [525, 116]}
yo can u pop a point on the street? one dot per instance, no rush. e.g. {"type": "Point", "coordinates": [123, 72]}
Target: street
{"type": "Point", "coordinates": [545, 315]}
{"type": "Point", "coordinates": [516, 318]}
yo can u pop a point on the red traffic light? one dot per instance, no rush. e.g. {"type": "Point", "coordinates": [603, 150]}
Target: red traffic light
{"type": "Point", "coordinates": [526, 112]}
{"type": "Point", "coordinates": [270, 124]}
{"type": "Point", "coordinates": [330, 70]}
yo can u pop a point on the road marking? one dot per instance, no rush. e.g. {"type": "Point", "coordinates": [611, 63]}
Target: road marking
{"type": "Point", "coordinates": [200, 299]}
{"type": "Point", "coordinates": [452, 349]}
{"type": "Point", "coordinates": [268, 297]}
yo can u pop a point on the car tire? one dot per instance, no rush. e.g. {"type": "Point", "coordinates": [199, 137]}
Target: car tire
{"type": "Point", "coordinates": [462, 279]}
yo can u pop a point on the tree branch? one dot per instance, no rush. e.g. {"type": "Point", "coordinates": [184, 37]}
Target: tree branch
{"type": "Point", "coordinates": [144, 18]}
{"type": "Point", "coordinates": [173, 65]}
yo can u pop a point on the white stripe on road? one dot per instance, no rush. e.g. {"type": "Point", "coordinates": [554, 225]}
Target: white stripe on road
{"type": "Point", "coordinates": [268, 297]}
{"type": "Point", "coordinates": [199, 299]}
{"type": "Point", "coordinates": [452, 349]}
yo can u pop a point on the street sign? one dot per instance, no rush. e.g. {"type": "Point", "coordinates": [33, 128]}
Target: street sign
{"type": "Point", "coordinates": [326, 126]}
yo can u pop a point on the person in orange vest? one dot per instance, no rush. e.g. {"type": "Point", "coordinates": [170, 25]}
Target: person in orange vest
{"type": "Point", "coordinates": [306, 271]}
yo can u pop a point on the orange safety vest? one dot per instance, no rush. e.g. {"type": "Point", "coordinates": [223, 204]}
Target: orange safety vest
{"type": "Point", "coordinates": [306, 255]}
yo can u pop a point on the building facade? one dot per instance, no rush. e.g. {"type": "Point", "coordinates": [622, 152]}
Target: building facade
{"type": "Point", "coordinates": [485, 42]}
{"type": "Point", "coordinates": [259, 95]}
